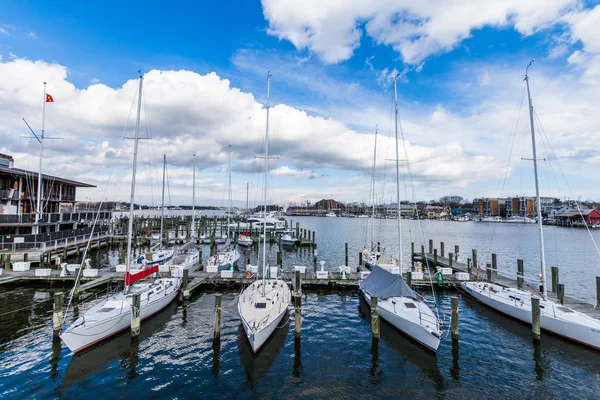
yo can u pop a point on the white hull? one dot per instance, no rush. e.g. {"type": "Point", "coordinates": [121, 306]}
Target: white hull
{"type": "Point", "coordinates": [418, 323]}
{"type": "Point", "coordinates": [95, 325]}
{"type": "Point", "coordinates": [245, 241]}
{"type": "Point", "coordinates": [554, 317]}
{"type": "Point", "coordinates": [260, 322]}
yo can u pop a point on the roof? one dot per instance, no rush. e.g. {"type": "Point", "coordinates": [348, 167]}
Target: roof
{"type": "Point", "coordinates": [17, 172]}
{"type": "Point", "coordinates": [574, 213]}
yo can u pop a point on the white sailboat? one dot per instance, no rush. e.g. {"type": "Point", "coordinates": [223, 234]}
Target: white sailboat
{"type": "Point", "coordinates": [263, 304]}
{"type": "Point", "coordinates": [516, 303]}
{"type": "Point", "coordinates": [226, 257]}
{"type": "Point", "coordinates": [398, 304]}
{"type": "Point", "coordinates": [111, 315]}
{"type": "Point", "coordinates": [245, 240]}
{"type": "Point", "coordinates": [188, 255]}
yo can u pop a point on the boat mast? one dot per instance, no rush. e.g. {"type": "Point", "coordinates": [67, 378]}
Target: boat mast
{"type": "Point", "coordinates": [266, 181]}
{"type": "Point", "coordinates": [162, 202]}
{"type": "Point", "coordinates": [229, 206]}
{"type": "Point", "coordinates": [398, 177]}
{"type": "Point", "coordinates": [373, 191]}
{"type": "Point", "coordinates": [38, 210]}
{"type": "Point", "coordinates": [132, 198]}
{"type": "Point", "coordinates": [538, 204]}
{"type": "Point", "coordinates": [194, 199]}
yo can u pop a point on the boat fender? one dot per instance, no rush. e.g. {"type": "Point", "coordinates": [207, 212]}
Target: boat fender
{"type": "Point", "coordinates": [439, 278]}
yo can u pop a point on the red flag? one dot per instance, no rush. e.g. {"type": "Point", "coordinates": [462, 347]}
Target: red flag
{"type": "Point", "coordinates": [49, 98]}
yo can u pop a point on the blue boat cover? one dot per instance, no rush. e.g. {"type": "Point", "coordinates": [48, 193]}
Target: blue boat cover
{"type": "Point", "coordinates": [383, 284]}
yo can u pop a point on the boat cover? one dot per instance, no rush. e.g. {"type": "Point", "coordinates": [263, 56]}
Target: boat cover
{"type": "Point", "coordinates": [383, 284]}
{"type": "Point", "coordinates": [130, 278]}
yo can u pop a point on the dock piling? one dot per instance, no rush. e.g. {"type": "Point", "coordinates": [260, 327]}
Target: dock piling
{"type": "Point", "coordinates": [430, 246]}
{"type": "Point", "coordinates": [135, 315]}
{"type": "Point", "coordinates": [554, 279]}
{"type": "Point", "coordinates": [488, 272]}
{"type": "Point", "coordinates": [412, 254]}
{"type": "Point", "coordinates": [560, 292]}
{"type": "Point", "coordinates": [360, 261]}
{"type": "Point", "coordinates": [297, 303]}
{"type": "Point", "coordinates": [535, 318]}
{"type": "Point", "coordinates": [442, 249]}
{"type": "Point", "coordinates": [346, 255]}
{"type": "Point", "coordinates": [469, 266]}
{"type": "Point", "coordinates": [435, 258]}
{"type": "Point", "coordinates": [184, 284]}
{"type": "Point", "coordinates": [217, 320]}
{"type": "Point", "coordinates": [57, 314]}
{"type": "Point", "coordinates": [409, 278]}
{"type": "Point", "coordinates": [456, 250]}
{"type": "Point", "coordinates": [450, 259]}
{"type": "Point", "coordinates": [374, 317]}
{"type": "Point", "coordinates": [520, 274]}
{"type": "Point", "coordinates": [454, 308]}
{"type": "Point", "coordinates": [475, 265]}
{"type": "Point", "coordinates": [494, 266]}
{"type": "Point", "coordinates": [598, 291]}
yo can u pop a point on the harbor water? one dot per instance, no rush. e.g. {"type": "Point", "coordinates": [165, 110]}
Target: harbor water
{"type": "Point", "coordinates": [335, 356]}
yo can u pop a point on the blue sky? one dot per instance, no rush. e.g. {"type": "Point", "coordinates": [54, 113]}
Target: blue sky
{"type": "Point", "coordinates": [459, 89]}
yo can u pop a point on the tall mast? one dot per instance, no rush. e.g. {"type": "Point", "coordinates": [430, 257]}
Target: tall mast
{"type": "Point", "coordinates": [538, 204]}
{"type": "Point", "coordinates": [194, 199]}
{"type": "Point", "coordinates": [373, 190]}
{"type": "Point", "coordinates": [132, 198]}
{"type": "Point", "coordinates": [229, 207]}
{"type": "Point", "coordinates": [40, 187]}
{"type": "Point", "coordinates": [266, 180]}
{"type": "Point", "coordinates": [398, 177]}
{"type": "Point", "coordinates": [247, 189]}
{"type": "Point", "coordinates": [162, 202]}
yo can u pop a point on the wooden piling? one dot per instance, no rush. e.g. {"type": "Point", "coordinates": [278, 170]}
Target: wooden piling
{"type": "Point", "coordinates": [360, 260]}
{"type": "Point", "coordinates": [535, 318]}
{"type": "Point", "coordinates": [423, 259]}
{"type": "Point", "coordinates": [135, 315]}
{"type": "Point", "coordinates": [346, 254]}
{"type": "Point", "coordinates": [435, 259]}
{"type": "Point", "coordinates": [374, 317]}
{"type": "Point", "coordinates": [442, 249]}
{"type": "Point", "coordinates": [315, 259]}
{"type": "Point", "coordinates": [454, 319]}
{"type": "Point", "coordinates": [217, 320]}
{"type": "Point", "coordinates": [450, 259]}
{"type": "Point", "coordinates": [279, 258]}
{"type": "Point", "coordinates": [430, 246]}
{"type": "Point", "coordinates": [488, 272]}
{"type": "Point", "coordinates": [57, 314]}
{"type": "Point", "coordinates": [475, 265]}
{"type": "Point", "coordinates": [560, 292]}
{"type": "Point", "coordinates": [469, 265]}
{"type": "Point", "coordinates": [520, 274]}
{"type": "Point", "coordinates": [184, 282]}
{"type": "Point", "coordinates": [409, 278]}
{"type": "Point", "coordinates": [297, 303]}
{"type": "Point", "coordinates": [7, 262]}
{"type": "Point", "coordinates": [314, 240]}
{"type": "Point", "coordinates": [456, 250]}
{"type": "Point", "coordinates": [554, 278]}
{"type": "Point", "coordinates": [494, 266]}
{"type": "Point", "coordinates": [598, 291]}
{"type": "Point", "coordinates": [412, 254]}
{"type": "Point", "coordinates": [25, 257]}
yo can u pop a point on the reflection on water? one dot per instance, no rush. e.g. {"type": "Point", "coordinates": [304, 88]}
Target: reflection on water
{"type": "Point", "coordinates": [298, 371]}
{"type": "Point", "coordinates": [122, 348]}
{"type": "Point", "coordinates": [216, 359]}
{"type": "Point", "coordinates": [257, 364]}
{"type": "Point", "coordinates": [455, 370]}
{"type": "Point", "coordinates": [376, 372]}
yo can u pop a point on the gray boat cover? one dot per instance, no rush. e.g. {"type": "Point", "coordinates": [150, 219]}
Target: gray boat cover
{"type": "Point", "coordinates": [383, 284]}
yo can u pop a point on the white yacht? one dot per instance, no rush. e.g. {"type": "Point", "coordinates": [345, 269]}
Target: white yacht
{"type": "Point", "coordinates": [245, 240]}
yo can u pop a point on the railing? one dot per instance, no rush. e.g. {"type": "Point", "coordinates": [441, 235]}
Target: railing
{"type": "Point", "coordinates": [52, 240]}
{"type": "Point", "coordinates": [67, 217]}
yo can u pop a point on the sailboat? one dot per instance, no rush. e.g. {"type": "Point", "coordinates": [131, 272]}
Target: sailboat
{"type": "Point", "coordinates": [188, 255]}
{"type": "Point", "coordinates": [111, 315]}
{"type": "Point", "coordinates": [245, 240]}
{"type": "Point", "coordinates": [398, 304]}
{"type": "Point", "coordinates": [263, 304]}
{"type": "Point", "coordinates": [516, 303]}
{"type": "Point", "coordinates": [226, 257]}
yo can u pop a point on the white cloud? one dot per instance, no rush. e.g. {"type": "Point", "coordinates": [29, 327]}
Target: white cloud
{"type": "Point", "coordinates": [415, 29]}
{"type": "Point", "coordinates": [188, 112]}
{"type": "Point", "coordinates": [558, 51]}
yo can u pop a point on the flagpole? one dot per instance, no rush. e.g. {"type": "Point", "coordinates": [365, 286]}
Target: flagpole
{"type": "Point", "coordinates": [38, 210]}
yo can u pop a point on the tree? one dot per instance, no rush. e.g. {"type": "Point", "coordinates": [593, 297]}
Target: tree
{"type": "Point", "coordinates": [451, 200]}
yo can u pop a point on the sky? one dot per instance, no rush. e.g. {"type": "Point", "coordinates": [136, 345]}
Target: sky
{"type": "Point", "coordinates": [463, 118]}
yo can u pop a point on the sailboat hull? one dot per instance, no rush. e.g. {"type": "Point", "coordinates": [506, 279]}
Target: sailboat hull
{"type": "Point", "coordinates": [262, 311]}
{"type": "Point", "coordinates": [554, 318]}
{"type": "Point", "coordinates": [410, 326]}
{"type": "Point", "coordinates": [101, 325]}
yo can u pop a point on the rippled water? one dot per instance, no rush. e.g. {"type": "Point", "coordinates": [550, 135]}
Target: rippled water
{"type": "Point", "coordinates": [335, 356]}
